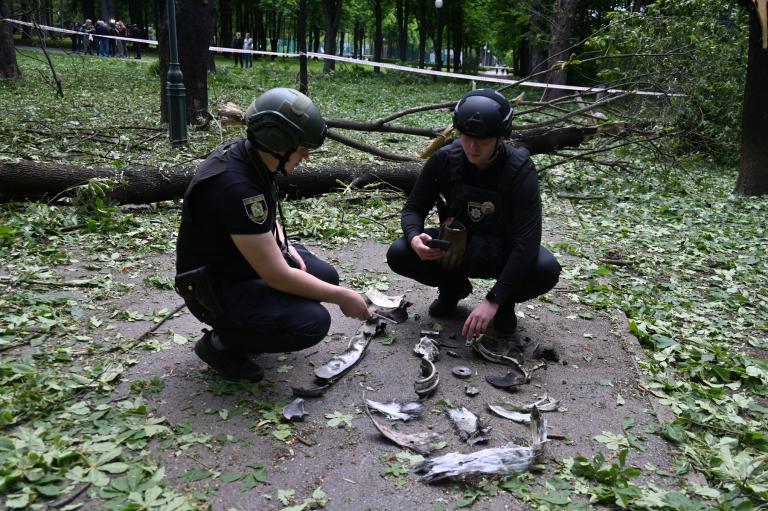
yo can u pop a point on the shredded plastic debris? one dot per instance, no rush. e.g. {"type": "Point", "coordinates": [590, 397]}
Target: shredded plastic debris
{"type": "Point", "coordinates": [423, 443]}
{"type": "Point", "coordinates": [509, 459]}
{"type": "Point", "coordinates": [397, 411]}
{"type": "Point", "coordinates": [294, 410]}
{"type": "Point", "coordinates": [468, 426]}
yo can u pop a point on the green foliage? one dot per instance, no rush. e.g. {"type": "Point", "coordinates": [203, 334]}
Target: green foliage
{"type": "Point", "coordinates": [705, 42]}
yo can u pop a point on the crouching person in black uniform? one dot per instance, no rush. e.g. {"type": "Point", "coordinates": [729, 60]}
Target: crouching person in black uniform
{"type": "Point", "coordinates": [487, 197]}
{"type": "Point", "coordinates": [235, 268]}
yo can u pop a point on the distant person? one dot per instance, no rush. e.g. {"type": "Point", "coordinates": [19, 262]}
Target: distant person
{"type": "Point", "coordinates": [247, 47]}
{"type": "Point", "coordinates": [122, 44]}
{"type": "Point", "coordinates": [88, 31]}
{"type": "Point", "coordinates": [112, 42]}
{"type": "Point", "coordinates": [76, 27]}
{"type": "Point", "coordinates": [136, 33]}
{"type": "Point", "coordinates": [487, 196]}
{"type": "Point", "coordinates": [236, 270]}
{"type": "Point", "coordinates": [102, 43]}
{"type": "Point", "coordinates": [237, 44]}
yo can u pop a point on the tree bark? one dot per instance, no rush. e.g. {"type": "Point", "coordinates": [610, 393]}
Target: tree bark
{"type": "Point", "coordinates": [421, 19]}
{"type": "Point", "coordinates": [402, 8]}
{"type": "Point", "coordinates": [437, 37]}
{"type": "Point", "coordinates": [225, 18]}
{"type": "Point", "coordinates": [753, 164]}
{"type": "Point", "coordinates": [142, 185]}
{"type": "Point", "coordinates": [560, 41]}
{"type": "Point", "coordinates": [194, 26]}
{"type": "Point", "coordinates": [332, 17]}
{"type": "Point", "coordinates": [8, 66]}
{"type": "Point", "coordinates": [378, 38]}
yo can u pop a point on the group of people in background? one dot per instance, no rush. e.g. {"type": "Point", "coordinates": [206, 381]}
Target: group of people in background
{"type": "Point", "coordinates": [243, 43]}
{"type": "Point", "coordinates": [93, 42]}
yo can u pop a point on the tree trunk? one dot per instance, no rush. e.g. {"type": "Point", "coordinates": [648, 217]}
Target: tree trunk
{"type": "Point", "coordinates": [8, 66]}
{"type": "Point", "coordinates": [107, 10]}
{"type": "Point", "coordinates": [89, 9]}
{"type": "Point", "coordinates": [302, 37]}
{"type": "Point", "coordinates": [194, 26]}
{"type": "Point", "coordinates": [457, 17]}
{"type": "Point", "coordinates": [537, 47]}
{"type": "Point", "coordinates": [437, 38]}
{"type": "Point", "coordinates": [560, 41]}
{"type": "Point", "coordinates": [332, 17]}
{"type": "Point", "coordinates": [402, 8]}
{"type": "Point", "coordinates": [378, 38]}
{"type": "Point", "coordinates": [225, 18]}
{"type": "Point", "coordinates": [141, 185]}
{"type": "Point", "coordinates": [753, 165]}
{"type": "Point", "coordinates": [421, 20]}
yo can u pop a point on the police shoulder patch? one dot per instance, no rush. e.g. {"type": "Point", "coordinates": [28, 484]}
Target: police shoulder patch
{"type": "Point", "coordinates": [256, 208]}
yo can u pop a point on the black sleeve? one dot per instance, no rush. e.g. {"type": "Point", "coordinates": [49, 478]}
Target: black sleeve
{"type": "Point", "coordinates": [523, 232]}
{"type": "Point", "coordinates": [422, 197]}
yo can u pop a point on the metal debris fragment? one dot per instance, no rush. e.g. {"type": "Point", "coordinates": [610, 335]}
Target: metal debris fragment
{"type": "Point", "coordinates": [423, 443]}
{"type": "Point", "coordinates": [471, 391]}
{"type": "Point", "coordinates": [310, 391]}
{"type": "Point", "coordinates": [294, 410]}
{"type": "Point", "coordinates": [545, 404]}
{"type": "Point", "coordinates": [340, 364]}
{"type": "Point", "coordinates": [504, 460]}
{"type": "Point", "coordinates": [468, 426]}
{"type": "Point", "coordinates": [381, 300]}
{"type": "Point", "coordinates": [511, 379]}
{"type": "Point", "coordinates": [427, 348]}
{"type": "Point", "coordinates": [502, 411]}
{"type": "Point", "coordinates": [462, 372]}
{"type": "Point", "coordinates": [452, 353]}
{"type": "Point", "coordinates": [429, 380]}
{"type": "Point", "coordinates": [397, 411]}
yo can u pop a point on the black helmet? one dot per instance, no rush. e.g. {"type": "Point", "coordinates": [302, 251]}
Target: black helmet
{"type": "Point", "coordinates": [282, 119]}
{"type": "Point", "coordinates": [483, 113]}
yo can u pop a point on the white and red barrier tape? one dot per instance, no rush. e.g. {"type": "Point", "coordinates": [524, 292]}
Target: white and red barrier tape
{"type": "Point", "coordinates": [407, 69]}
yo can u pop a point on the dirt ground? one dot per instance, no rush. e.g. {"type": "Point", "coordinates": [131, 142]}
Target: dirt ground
{"type": "Point", "coordinates": [596, 380]}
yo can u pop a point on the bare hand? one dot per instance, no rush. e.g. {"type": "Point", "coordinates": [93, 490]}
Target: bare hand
{"type": "Point", "coordinates": [419, 245]}
{"type": "Point", "coordinates": [353, 306]}
{"type": "Point", "coordinates": [297, 257]}
{"type": "Point", "coordinates": [479, 318]}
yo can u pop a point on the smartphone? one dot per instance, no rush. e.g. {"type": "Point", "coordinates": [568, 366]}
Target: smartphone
{"type": "Point", "coordinates": [441, 244]}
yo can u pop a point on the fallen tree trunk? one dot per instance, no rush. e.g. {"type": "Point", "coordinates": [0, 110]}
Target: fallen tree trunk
{"type": "Point", "coordinates": [29, 180]}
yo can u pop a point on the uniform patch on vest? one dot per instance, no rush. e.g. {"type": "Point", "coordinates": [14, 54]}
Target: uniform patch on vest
{"type": "Point", "coordinates": [256, 208]}
{"type": "Point", "coordinates": [479, 210]}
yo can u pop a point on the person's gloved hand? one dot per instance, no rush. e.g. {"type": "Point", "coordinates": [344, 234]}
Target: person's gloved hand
{"type": "Point", "coordinates": [455, 232]}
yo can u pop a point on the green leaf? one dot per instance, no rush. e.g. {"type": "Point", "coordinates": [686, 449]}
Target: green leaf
{"type": "Point", "coordinates": [338, 420]}
{"type": "Point", "coordinates": [192, 475]}
{"type": "Point", "coordinates": [285, 496]}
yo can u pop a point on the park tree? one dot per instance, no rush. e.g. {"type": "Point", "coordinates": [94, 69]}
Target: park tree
{"type": "Point", "coordinates": [753, 164]}
{"type": "Point", "coordinates": [332, 16]}
{"type": "Point", "coordinates": [8, 66]}
{"type": "Point", "coordinates": [194, 26]}
{"type": "Point", "coordinates": [559, 44]}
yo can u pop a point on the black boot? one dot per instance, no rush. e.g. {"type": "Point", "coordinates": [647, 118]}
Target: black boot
{"type": "Point", "coordinates": [447, 300]}
{"type": "Point", "coordinates": [230, 365]}
{"type": "Point", "coordinates": [505, 320]}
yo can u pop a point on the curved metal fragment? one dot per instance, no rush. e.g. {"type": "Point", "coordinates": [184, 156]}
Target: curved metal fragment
{"type": "Point", "coordinates": [429, 380]}
{"type": "Point", "coordinates": [498, 358]}
{"type": "Point", "coordinates": [294, 410]}
{"type": "Point", "coordinates": [397, 411]}
{"type": "Point", "coordinates": [502, 411]}
{"type": "Point", "coordinates": [423, 443]}
{"type": "Point", "coordinates": [545, 404]}
{"type": "Point", "coordinates": [511, 379]}
{"type": "Point", "coordinates": [310, 391]}
{"type": "Point", "coordinates": [358, 345]}
{"type": "Point", "coordinates": [504, 460]}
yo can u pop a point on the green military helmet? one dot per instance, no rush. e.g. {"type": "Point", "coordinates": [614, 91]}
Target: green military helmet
{"type": "Point", "coordinates": [282, 119]}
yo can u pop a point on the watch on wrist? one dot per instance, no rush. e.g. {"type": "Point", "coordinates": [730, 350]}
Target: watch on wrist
{"type": "Point", "coordinates": [492, 297]}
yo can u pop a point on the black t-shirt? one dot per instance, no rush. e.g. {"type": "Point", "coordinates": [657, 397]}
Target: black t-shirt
{"type": "Point", "coordinates": [521, 225]}
{"type": "Point", "coordinates": [231, 193]}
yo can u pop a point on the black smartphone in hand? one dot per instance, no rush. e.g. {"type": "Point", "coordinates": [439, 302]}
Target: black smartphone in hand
{"type": "Point", "coordinates": [441, 244]}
